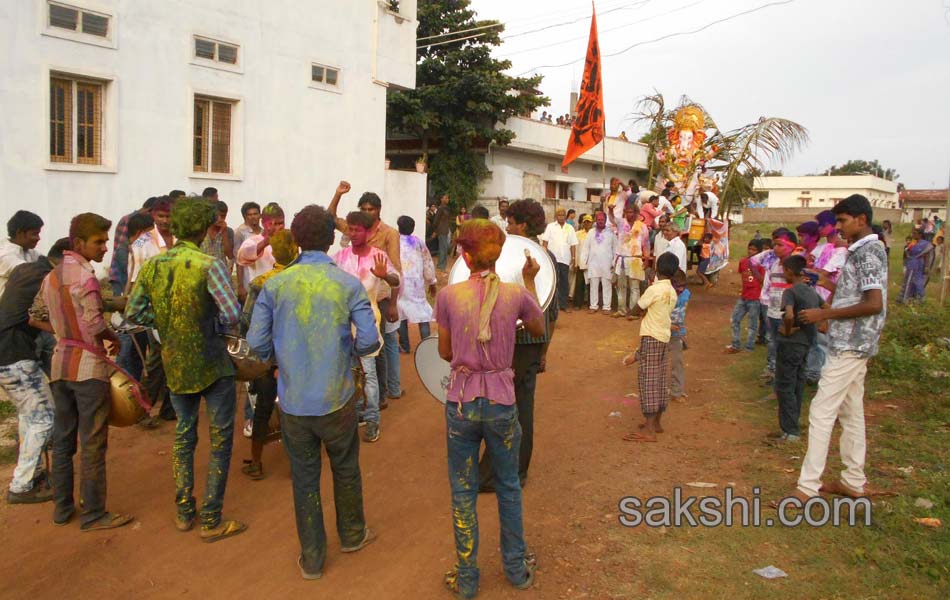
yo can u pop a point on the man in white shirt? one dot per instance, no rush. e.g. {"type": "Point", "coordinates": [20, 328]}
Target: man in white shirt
{"type": "Point", "coordinates": [501, 219]}
{"type": "Point", "coordinates": [251, 213]}
{"type": "Point", "coordinates": [597, 252]}
{"type": "Point", "coordinates": [674, 244]}
{"type": "Point", "coordinates": [255, 255]}
{"type": "Point", "coordinates": [24, 231]}
{"type": "Point", "coordinates": [710, 202]}
{"type": "Point", "coordinates": [561, 240]}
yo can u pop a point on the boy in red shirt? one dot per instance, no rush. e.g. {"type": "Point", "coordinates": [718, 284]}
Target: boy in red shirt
{"type": "Point", "coordinates": [748, 303]}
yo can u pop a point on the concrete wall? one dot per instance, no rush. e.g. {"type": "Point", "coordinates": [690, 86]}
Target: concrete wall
{"type": "Point", "coordinates": [545, 138]}
{"type": "Point", "coordinates": [822, 192]}
{"type": "Point", "coordinates": [291, 142]}
{"type": "Point", "coordinates": [800, 215]}
{"type": "Point", "coordinates": [404, 193]}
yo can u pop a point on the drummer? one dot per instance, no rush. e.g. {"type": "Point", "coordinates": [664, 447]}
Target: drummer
{"type": "Point", "coordinates": [525, 219]}
{"type": "Point", "coordinates": [184, 294]}
{"type": "Point", "coordinates": [481, 397]}
{"type": "Point", "coordinates": [79, 375]}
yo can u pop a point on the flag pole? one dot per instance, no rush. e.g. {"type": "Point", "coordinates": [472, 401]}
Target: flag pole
{"type": "Point", "coordinates": [603, 166]}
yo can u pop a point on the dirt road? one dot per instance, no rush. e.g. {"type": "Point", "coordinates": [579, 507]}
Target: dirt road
{"type": "Point", "coordinates": [580, 469]}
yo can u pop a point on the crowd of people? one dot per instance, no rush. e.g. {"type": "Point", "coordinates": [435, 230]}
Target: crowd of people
{"type": "Point", "coordinates": [332, 329]}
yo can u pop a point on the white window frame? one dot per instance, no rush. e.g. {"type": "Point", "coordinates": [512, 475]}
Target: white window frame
{"type": "Point", "coordinates": [108, 144]}
{"type": "Point", "coordinates": [237, 135]}
{"type": "Point", "coordinates": [214, 63]}
{"type": "Point", "coordinates": [109, 41]}
{"type": "Point", "coordinates": [336, 88]}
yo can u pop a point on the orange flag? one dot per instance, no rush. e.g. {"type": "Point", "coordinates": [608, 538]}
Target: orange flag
{"type": "Point", "coordinates": [588, 128]}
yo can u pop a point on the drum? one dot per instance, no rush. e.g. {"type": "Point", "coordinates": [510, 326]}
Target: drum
{"type": "Point", "coordinates": [248, 366]}
{"type": "Point", "coordinates": [509, 267]}
{"type": "Point", "coordinates": [433, 371]}
{"type": "Point", "coordinates": [124, 407]}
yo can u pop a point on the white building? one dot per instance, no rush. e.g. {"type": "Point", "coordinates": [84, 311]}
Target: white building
{"type": "Point", "coordinates": [820, 192]}
{"type": "Point", "coordinates": [109, 102]}
{"type": "Point", "coordinates": [530, 166]}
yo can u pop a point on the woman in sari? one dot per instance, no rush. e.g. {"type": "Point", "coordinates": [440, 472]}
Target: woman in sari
{"type": "Point", "coordinates": [918, 255]}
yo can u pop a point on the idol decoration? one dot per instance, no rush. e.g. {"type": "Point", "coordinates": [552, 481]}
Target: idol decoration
{"type": "Point", "coordinates": [685, 158]}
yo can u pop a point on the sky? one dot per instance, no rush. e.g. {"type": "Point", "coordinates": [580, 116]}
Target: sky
{"type": "Point", "coordinates": [869, 79]}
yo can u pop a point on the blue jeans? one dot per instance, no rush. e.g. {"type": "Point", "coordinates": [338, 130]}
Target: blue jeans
{"type": "Point", "coordinates": [393, 376]}
{"type": "Point", "coordinates": [466, 427]}
{"type": "Point", "coordinates": [743, 308]}
{"type": "Point", "coordinates": [424, 332]}
{"type": "Point", "coordinates": [816, 358]}
{"type": "Point", "coordinates": [771, 334]}
{"type": "Point", "coordinates": [302, 437]}
{"type": "Point", "coordinates": [23, 381]}
{"type": "Point", "coordinates": [220, 398]}
{"type": "Point", "coordinates": [444, 242]}
{"type": "Point", "coordinates": [371, 389]}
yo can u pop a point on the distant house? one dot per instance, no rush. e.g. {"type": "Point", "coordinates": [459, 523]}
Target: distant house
{"type": "Point", "coordinates": [820, 192]}
{"type": "Point", "coordinates": [923, 204]}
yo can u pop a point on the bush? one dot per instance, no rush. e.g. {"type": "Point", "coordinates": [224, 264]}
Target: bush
{"type": "Point", "coordinates": [915, 348]}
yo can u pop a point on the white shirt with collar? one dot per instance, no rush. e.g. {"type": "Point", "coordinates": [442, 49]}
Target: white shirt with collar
{"type": "Point", "coordinates": [678, 248]}
{"type": "Point", "coordinates": [12, 255]}
{"type": "Point", "coordinates": [560, 240]}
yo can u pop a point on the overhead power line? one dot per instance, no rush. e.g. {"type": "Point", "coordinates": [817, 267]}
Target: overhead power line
{"type": "Point", "coordinates": [666, 37]}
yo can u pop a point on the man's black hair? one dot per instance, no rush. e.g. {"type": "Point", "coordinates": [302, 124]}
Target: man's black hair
{"type": "Point", "coordinates": [406, 225]}
{"type": "Point", "coordinates": [370, 198]}
{"type": "Point", "coordinates": [479, 212]}
{"type": "Point", "coordinates": [248, 206]}
{"type": "Point", "coordinates": [667, 264]}
{"type": "Point", "coordinates": [795, 263]}
{"type": "Point", "coordinates": [209, 192]}
{"type": "Point", "coordinates": [23, 220]}
{"type": "Point", "coordinates": [784, 232]}
{"type": "Point", "coordinates": [140, 222]}
{"type": "Point", "coordinates": [854, 205]}
{"type": "Point", "coordinates": [61, 245]}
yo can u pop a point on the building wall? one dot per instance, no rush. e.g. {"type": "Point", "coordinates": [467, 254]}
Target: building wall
{"type": "Point", "coordinates": [289, 141]}
{"type": "Point", "coordinates": [800, 215]}
{"type": "Point", "coordinates": [822, 192]}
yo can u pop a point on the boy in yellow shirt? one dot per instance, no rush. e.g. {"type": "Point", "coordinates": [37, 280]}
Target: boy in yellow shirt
{"type": "Point", "coordinates": [653, 356]}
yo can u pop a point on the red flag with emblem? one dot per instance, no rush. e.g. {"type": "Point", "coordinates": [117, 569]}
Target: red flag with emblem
{"type": "Point", "coordinates": [588, 128]}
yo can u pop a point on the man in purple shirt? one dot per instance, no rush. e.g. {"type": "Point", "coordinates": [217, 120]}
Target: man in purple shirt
{"type": "Point", "coordinates": [481, 399]}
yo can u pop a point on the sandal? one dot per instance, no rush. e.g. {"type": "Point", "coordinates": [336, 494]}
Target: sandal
{"type": "Point", "coordinates": [451, 582]}
{"type": "Point", "coordinates": [530, 565]}
{"type": "Point", "coordinates": [253, 470]}
{"type": "Point", "coordinates": [107, 521]}
{"type": "Point", "coordinates": [225, 529]}
{"type": "Point", "coordinates": [368, 538]}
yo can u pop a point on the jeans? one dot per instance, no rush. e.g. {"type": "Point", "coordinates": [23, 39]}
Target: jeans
{"type": "Point", "coordinates": [466, 426]}
{"type": "Point", "coordinates": [24, 382]}
{"type": "Point", "coordinates": [445, 240]}
{"type": "Point", "coordinates": [625, 284]}
{"type": "Point", "coordinates": [220, 398]}
{"type": "Point", "coordinates": [677, 372]}
{"type": "Point", "coordinates": [816, 358]}
{"type": "Point", "coordinates": [154, 381]}
{"type": "Point", "coordinates": [563, 283]}
{"type": "Point", "coordinates": [387, 361]}
{"type": "Point", "coordinates": [771, 334]}
{"type": "Point", "coordinates": [424, 332]}
{"type": "Point", "coordinates": [743, 308]}
{"type": "Point", "coordinates": [302, 437]}
{"type": "Point", "coordinates": [790, 384]}
{"type": "Point", "coordinates": [596, 284]}
{"type": "Point", "coordinates": [525, 363]}
{"type": "Point", "coordinates": [370, 412]}
{"type": "Point", "coordinates": [82, 410]}
{"type": "Point", "coordinates": [266, 390]}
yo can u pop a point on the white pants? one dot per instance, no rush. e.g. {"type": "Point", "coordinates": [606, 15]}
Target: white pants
{"type": "Point", "coordinates": [595, 284]}
{"type": "Point", "coordinates": [840, 396]}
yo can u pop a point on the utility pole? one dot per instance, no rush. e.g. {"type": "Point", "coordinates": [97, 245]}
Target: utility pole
{"type": "Point", "coordinates": [945, 290]}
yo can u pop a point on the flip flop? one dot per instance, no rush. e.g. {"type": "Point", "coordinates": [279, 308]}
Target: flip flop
{"type": "Point", "coordinates": [224, 530]}
{"type": "Point", "coordinates": [638, 437]}
{"type": "Point", "coordinates": [107, 521]}
{"type": "Point", "coordinates": [368, 538]}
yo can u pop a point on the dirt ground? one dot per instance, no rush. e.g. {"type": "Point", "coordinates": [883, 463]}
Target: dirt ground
{"type": "Point", "coordinates": [580, 470]}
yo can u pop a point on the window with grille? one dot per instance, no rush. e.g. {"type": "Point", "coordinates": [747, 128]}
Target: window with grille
{"type": "Point", "coordinates": [63, 16]}
{"type": "Point", "coordinates": [325, 75]}
{"type": "Point", "coordinates": [75, 121]}
{"type": "Point", "coordinates": [221, 52]}
{"type": "Point", "coordinates": [212, 135]}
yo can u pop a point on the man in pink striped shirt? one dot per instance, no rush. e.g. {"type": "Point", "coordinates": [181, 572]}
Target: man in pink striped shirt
{"type": "Point", "coordinates": [70, 305]}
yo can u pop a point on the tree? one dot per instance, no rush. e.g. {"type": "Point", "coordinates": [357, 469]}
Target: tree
{"type": "Point", "coordinates": [863, 167]}
{"type": "Point", "coordinates": [461, 94]}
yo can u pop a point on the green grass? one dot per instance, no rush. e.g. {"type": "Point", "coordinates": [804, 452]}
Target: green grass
{"type": "Point", "coordinates": [908, 425]}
